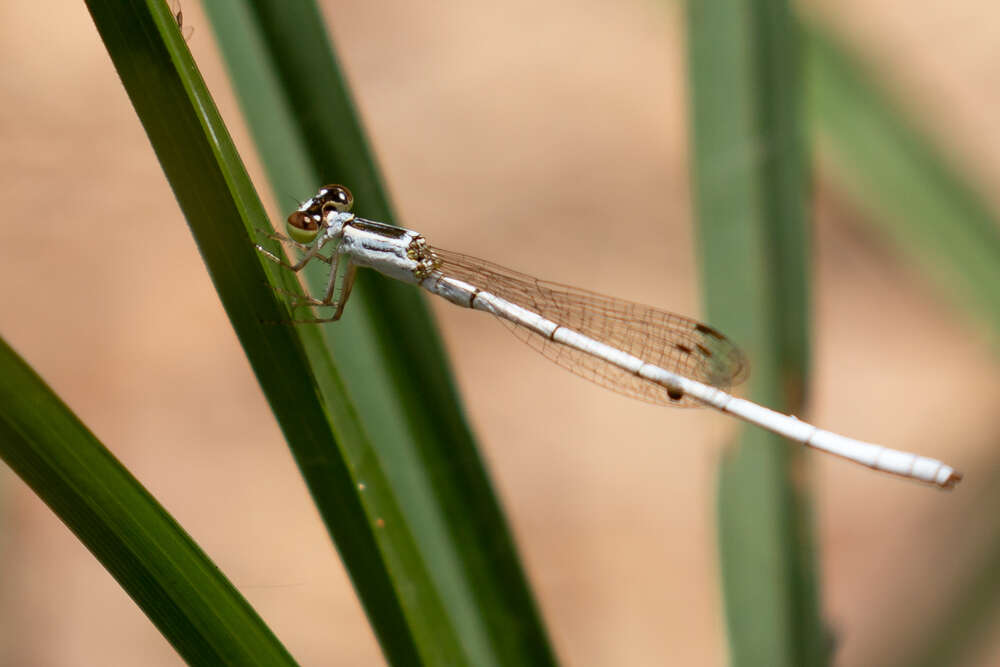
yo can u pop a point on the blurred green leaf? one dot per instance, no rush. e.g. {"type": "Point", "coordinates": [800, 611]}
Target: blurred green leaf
{"type": "Point", "coordinates": [912, 195]}
{"type": "Point", "coordinates": [751, 189]}
{"type": "Point", "coordinates": [181, 591]}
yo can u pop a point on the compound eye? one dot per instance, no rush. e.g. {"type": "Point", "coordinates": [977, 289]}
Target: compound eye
{"type": "Point", "coordinates": [302, 227]}
{"type": "Point", "coordinates": [335, 198]}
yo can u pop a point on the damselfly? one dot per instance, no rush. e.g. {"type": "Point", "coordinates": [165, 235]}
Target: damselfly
{"type": "Point", "coordinates": [642, 352]}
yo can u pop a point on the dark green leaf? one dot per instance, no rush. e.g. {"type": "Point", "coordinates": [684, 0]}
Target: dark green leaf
{"type": "Point", "coordinates": [154, 560]}
{"type": "Point", "coordinates": [344, 473]}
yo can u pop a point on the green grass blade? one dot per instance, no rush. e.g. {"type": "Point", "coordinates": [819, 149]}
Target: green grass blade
{"type": "Point", "coordinates": [750, 181]}
{"type": "Point", "coordinates": [386, 346]}
{"type": "Point", "coordinates": [181, 591]}
{"type": "Point", "coordinates": [344, 473]}
{"type": "Point", "coordinates": [910, 192]}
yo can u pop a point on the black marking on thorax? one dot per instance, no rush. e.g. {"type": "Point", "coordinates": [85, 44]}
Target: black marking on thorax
{"type": "Point", "coordinates": [378, 228]}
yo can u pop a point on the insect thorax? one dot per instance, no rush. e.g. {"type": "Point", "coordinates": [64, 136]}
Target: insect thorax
{"type": "Point", "coordinates": [425, 258]}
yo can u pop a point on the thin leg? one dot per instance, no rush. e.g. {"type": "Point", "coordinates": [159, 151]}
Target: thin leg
{"type": "Point", "coordinates": [331, 282]}
{"type": "Point", "coordinates": [338, 303]}
{"type": "Point", "coordinates": [332, 298]}
{"type": "Point", "coordinates": [274, 258]}
{"type": "Point", "coordinates": [345, 292]}
{"type": "Point", "coordinates": [295, 299]}
{"type": "Point", "coordinates": [275, 236]}
{"type": "Point", "coordinates": [340, 299]}
{"type": "Point", "coordinates": [311, 253]}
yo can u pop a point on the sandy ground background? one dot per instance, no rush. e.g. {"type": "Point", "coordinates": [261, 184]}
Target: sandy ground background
{"type": "Point", "coordinates": [493, 123]}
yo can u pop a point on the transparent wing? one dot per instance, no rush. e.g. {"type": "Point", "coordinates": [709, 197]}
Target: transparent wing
{"type": "Point", "coordinates": [673, 342]}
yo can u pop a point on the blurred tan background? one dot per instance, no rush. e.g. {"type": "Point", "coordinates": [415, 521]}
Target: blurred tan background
{"type": "Point", "coordinates": [550, 124]}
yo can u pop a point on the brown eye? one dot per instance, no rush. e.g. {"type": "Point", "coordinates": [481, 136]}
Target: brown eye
{"type": "Point", "coordinates": [335, 197]}
{"type": "Point", "coordinates": [302, 227]}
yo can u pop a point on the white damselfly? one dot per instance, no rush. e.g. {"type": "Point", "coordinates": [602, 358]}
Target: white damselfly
{"type": "Point", "coordinates": [642, 352]}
